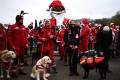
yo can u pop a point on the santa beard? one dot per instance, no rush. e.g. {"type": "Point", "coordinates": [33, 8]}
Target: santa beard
{"type": "Point", "coordinates": [59, 18]}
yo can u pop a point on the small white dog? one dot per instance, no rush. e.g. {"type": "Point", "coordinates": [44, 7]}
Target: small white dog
{"type": "Point", "coordinates": [39, 69]}
{"type": "Point", "coordinates": [6, 59]}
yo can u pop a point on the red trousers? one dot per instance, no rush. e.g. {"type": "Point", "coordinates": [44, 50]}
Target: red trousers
{"type": "Point", "coordinates": [2, 47]}
{"type": "Point", "coordinates": [19, 58]}
{"type": "Point", "coordinates": [61, 51]}
{"type": "Point", "coordinates": [19, 51]}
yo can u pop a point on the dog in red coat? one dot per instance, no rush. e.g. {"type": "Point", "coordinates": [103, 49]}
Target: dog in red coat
{"type": "Point", "coordinates": [89, 63]}
{"type": "Point", "coordinates": [6, 60]}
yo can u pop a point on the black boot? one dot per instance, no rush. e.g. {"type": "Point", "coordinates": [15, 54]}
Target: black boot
{"type": "Point", "coordinates": [54, 69]}
{"type": "Point", "coordinates": [22, 73]}
{"type": "Point", "coordinates": [65, 64]}
{"type": "Point", "coordinates": [48, 71]}
{"type": "Point", "coordinates": [71, 71]}
{"type": "Point", "coordinates": [14, 76]}
{"type": "Point", "coordinates": [26, 64]}
{"type": "Point", "coordinates": [75, 71]}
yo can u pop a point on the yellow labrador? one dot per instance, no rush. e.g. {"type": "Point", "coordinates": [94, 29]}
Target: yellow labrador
{"type": "Point", "coordinates": [3, 52]}
{"type": "Point", "coordinates": [6, 59]}
{"type": "Point", "coordinates": [39, 69]}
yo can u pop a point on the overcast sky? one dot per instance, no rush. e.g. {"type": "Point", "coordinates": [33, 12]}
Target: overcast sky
{"type": "Point", "coordinates": [76, 9]}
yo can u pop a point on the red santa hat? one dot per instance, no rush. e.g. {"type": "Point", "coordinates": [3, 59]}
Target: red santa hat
{"type": "Point", "coordinates": [95, 24]}
{"type": "Point", "coordinates": [45, 20]}
{"type": "Point", "coordinates": [99, 25]}
{"type": "Point", "coordinates": [55, 3]}
{"type": "Point", "coordinates": [31, 23]}
{"type": "Point", "coordinates": [84, 22]}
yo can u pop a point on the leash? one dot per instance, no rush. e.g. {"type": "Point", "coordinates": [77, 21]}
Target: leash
{"type": "Point", "coordinates": [74, 50]}
{"type": "Point", "coordinates": [42, 50]}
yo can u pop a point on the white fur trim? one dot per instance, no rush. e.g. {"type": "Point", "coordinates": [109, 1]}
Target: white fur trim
{"type": "Point", "coordinates": [47, 20]}
{"type": "Point", "coordinates": [111, 23]}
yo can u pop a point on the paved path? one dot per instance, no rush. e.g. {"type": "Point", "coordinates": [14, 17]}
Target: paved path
{"type": "Point", "coordinates": [63, 72]}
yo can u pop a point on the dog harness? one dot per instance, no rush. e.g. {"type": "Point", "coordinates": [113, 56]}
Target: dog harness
{"type": "Point", "coordinates": [39, 67]}
{"type": "Point", "coordinates": [6, 64]}
{"type": "Point", "coordinates": [91, 61]}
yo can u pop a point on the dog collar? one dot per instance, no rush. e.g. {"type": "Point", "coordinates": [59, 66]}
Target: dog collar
{"type": "Point", "coordinates": [39, 67]}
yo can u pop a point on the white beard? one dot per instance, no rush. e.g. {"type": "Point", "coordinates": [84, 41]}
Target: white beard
{"type": "Point", "coordinates": [59, 18]}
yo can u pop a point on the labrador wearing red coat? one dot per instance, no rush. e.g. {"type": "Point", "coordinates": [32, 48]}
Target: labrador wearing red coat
{"type": "Point", "coordinates": [89, 63]}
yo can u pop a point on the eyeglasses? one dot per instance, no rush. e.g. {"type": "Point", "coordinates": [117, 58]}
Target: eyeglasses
{"type": "Point", "coordinates": [58, 8]}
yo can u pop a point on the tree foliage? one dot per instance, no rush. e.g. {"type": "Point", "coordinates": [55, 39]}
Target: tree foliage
{"type": "Point", "coordinates": [115, 19]}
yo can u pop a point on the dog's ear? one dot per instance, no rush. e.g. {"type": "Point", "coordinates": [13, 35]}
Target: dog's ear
{"type": "Point", "coordinates": [8, 57]}
{"type": "Point", "coordinates": [43, 61]}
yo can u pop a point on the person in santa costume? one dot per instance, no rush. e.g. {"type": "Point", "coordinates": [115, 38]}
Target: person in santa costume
{"type": "Point", "coordinates": [3, 38]}
{"type": "Point", "coordinates": [112, 26]}
{"type": "Point", "coordinates": [57, 12]}
{"type": "Point", "coordinates": [47, 37]}
{"type": "Point", "coordinates": [18, 42]}
{"type": "Point", "coordinates": [60, 41]}
{"type": "Point", "coordinates": [30, 36]}
{"type": "Point", "coordinates": [84, 38]}
{"type": "Point", "coordinates": [95, 30]}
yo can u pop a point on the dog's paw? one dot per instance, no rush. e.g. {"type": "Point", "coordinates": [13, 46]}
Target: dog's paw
{"type": "Point", "coordinates": [1, 76]}
{"type": "Point", "coordinates": [32, 75]}
{"type": "Point", "coordinates": [47, 75]}
{"type": "Point", "coordinates": [8, 76]}
{"type": "Point", "coordinates": [45, 79]}
{"type": "Point", "coordinates": [84, 77]}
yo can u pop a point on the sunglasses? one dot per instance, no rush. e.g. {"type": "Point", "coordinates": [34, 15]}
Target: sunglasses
{"type": "Point", "coordinates": [58, 8]}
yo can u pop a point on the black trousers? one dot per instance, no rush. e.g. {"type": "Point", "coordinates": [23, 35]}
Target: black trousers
{"type": "Point", "coordinates": [17, 59]}
{"type": "Point", "coordinates": [65, 56]}
{"type": "Point", "coordinates": [72, 54]}
{"type": "Point", "coordinates": [31, 43]}
{"type": "Point", "coordinates": [107, 55]}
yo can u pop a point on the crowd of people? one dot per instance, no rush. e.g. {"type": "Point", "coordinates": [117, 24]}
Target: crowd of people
{"type": "Point", "coordinates": [73, 40]}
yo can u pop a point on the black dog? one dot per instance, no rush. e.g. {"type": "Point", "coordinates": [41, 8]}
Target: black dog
{"type": "Point", "coordinates": [36, 55]}
{"type": "Point", "coordinates": [91, 63]}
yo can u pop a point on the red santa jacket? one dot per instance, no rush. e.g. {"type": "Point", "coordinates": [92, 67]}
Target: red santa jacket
{"type": "Point", "coordinates": [27, 31]}
{"type": "Point", "coordinates": [37, 36]}
{"type": "Point", "coordinates": [94, 32]}
{"type": "Point", "coordinates": [112, 27]}
{"type": "Point", "coordinates": [17, 35]}
{"type": "Point", "coordinates": [60, 36]}
{"type": "Point", "coordinates": [53, 21]}
{"type": "Point", "coordinates": [84, 36]}
{"type": "Point", "coordinates": [2, 37]}
{"type": "Point", "coordinates": [31, 33]}
{"type": "Point", "coordinates": [115, 32]}
{"type": "Point", "coordinates": [49, 43]}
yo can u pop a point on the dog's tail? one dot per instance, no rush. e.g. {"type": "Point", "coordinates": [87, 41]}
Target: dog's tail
{"type": "Point", "coordinates": [32, 75]}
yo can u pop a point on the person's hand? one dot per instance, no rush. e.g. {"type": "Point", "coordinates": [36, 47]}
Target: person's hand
{"type": "Point", "coordinates": [76, 47]}
{"type": "Point", "coordinates": [43, 39]}
{"type": "Point", "coordinates": [101, 53]}
{"type": "Point", "coordinates": [51, 36]}
{"type": "Point", "coordinates": [27, 45]}
{"type": "Point", "coordinates": [71, 46]}
{"type": "Point", "coordinates": [13, 48]}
